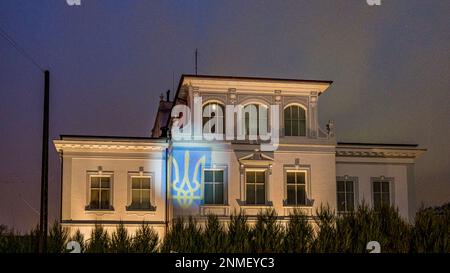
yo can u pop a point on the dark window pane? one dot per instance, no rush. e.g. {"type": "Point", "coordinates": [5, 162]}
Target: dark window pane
{"type": "Point", "coordinates": [301, 195]}
{"type": "Point", "coordinates": [290, 177]}
{"type": "Point", "coordinates": [208, 176]}
{"type": "Point", "coordinates": [386, 198]}
{"type": "Point", "coordinates": [218, 176]}
{"type": "Point", "coordinates": [209, 198]}
{"type": "Point", "coordinates": [260, 194]}
{"type": "Point", "coordinates": [300, 178]}
{"type": "Point", "coordinates": [349, 186]}
{"type": "Point", "coordinates": [377, 200]}
{"type": "Point", "coordinates": [95, 182]}
{"type": "Point", "coordinates": [135, 183]}
{"type": "Point", "coordinates": [341, 186]}
{"type": "Point", "coordinates": [341, 201]}
{"type": "Point", "coordinates": [287, 128]}
{"type": "Point", "coordinates": [135, 196]}
{"type": "Point", "coordinates": [260, 177]}
{"type": "Point", "coordinates": [294, 112]}
{"type": "Point", "coordinates": [287, 113]}
{"type": "Point", "coordinates": [376, 187]}
{"type": "Point", "coordinates": [291, 195]}
{"type": "Point", "coordinates": [145, 183]}
{"type": "Point", "coordinates": [250, 194]}
{"type": "Point", "coordinates": [105, 199]}
{"type": "Point", "coordinates": [295, 128]}
{"type": "Point", "coordinates": [302, 114]}
{"type": "Point", "coordinates": [145, 196]}
{"type": "Point", "coordinates": [350, 201]}
{"type": "Point", "coordinates": [218, 198]}
{"type": "Point", "coordinates": [385, 186]}
{"type": "Point", "coordinates": [105, 182]}
{"type": "Point", "coordinates": [95, 199]}
{"type": "Point", "coordinates": [250, 176]}
{"type": "Point", "coordinates": [302, 128]}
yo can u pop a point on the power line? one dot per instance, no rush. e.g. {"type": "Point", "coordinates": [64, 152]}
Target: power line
{"type": "Point", "coordinates": [19, 49]}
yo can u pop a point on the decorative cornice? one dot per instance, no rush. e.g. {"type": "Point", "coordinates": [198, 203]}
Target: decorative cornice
{"type": "Point", "coordinates": [379, 152]}
{"type": "Point", "coordinates": [62, 145]}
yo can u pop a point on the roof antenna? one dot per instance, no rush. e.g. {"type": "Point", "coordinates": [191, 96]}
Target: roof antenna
{"type": "Point", "coordinates": [173, 81]}
{"type": "Point", "coordinates": [196, 57]}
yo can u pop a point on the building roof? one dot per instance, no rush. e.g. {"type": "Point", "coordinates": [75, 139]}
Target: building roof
{"type": "Point", "coordinates": [251, 78]}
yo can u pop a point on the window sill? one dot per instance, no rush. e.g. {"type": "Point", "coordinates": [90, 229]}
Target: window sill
{"type": "Point", "coordinates": [89, 208]}
{"type": "Point", "coordinates": [256, 206]}
{"type": "Point", "coordinates": [297, 206]}
{"type": "Point", "coordinates": [214, 205]}
{"type": "Point", "coordinates": [217, 209]}
{"type": "Point", "coordinates": [151, 209]}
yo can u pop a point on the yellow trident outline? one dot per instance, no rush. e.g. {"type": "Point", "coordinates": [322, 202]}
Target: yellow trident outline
{"type": "Point", "coordinates": [184, 197]}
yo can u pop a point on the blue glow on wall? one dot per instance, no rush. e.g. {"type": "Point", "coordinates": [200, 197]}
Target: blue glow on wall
{"type": "Point", "coordinates": [186, 174]}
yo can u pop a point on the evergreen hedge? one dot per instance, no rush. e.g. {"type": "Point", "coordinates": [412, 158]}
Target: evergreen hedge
{"type": "Point", "coordinates": [325, 232]}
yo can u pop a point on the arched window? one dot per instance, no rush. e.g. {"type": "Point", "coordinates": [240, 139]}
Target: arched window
{"type": "Point", "coordinates": [213, 118]}
{"type": "Point", "coordinates": [294, 121]}
{"type": "Point", "coordinates": [254, 115]}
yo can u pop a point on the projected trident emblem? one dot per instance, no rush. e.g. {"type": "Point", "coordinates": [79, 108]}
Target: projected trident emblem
{"type": "Point", "coordinates": [190, 188]}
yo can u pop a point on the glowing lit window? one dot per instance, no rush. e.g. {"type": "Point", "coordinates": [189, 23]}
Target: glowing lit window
{"type": "Point", "coordinates": [100, 195]}
{"type": "Point", "coordinates": [294, 121]}
{"type": "Point", "coordinates": [214, 187]}
{"type": "Point", "coordinates": [296, 188]}
{"type": "Point", "coordinates": [255, 187]}
{"type": "Point", "coordinates": [140, 193]}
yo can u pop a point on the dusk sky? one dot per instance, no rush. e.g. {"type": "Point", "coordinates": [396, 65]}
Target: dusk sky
{"type": "Point", "coordinates": [110, 60]}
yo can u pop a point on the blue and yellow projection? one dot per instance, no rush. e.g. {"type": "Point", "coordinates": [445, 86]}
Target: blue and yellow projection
{"type": "Point", "coordinates": [187, 177]}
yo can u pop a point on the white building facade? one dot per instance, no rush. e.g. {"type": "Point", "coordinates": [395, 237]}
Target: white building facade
{"type": "Point", "coordinates": [108, 180]}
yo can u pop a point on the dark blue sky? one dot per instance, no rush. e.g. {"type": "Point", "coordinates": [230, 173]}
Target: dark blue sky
{"type": "Point", "coordinates": [110, 60]}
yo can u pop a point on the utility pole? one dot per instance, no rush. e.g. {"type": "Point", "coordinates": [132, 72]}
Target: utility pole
{"type": "Point", "coordinates": [196, 55]}
{"type": "Point", "coordinates": [43, 224]}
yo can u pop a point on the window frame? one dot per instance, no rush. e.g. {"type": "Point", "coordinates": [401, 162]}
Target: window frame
{"type": "Point", "coordinates": [296, 185]}
{"type": "Point", "coordinates": [308, 178]}
{"type": "Point", "coordinates": [222, 106]}
{"type": "Point", "coordinates": [132, 175]}
{"type": "Point", "coordinates": [254, 170]}
{"type": "Point", "coordinates": [345, 179]}
{"type": "Point", "coordinates": [246, 129]}
{"type": "Point", "coordinates": [224, 186]}
{"type": "Point", "coordinates": [291, 120]}
{"type": "Point", "coordinates": [391, 187]}
{"type": "Point", "coordinates": [89, 190]}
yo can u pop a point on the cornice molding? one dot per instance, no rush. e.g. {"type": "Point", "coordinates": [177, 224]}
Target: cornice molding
{"type": "Point", "coordinates": [379, 152]}
{"type": "Point", "coordinates": [62, 145]}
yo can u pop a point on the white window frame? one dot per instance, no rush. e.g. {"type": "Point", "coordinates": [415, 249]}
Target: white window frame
{"type": "Point", "coordinates": [221, 105]}
{"type": "Point", "coordinates": [224, 185]}
{"type": "Point", "coordinates": [263, 170]}
{"type": "Point", "coordinates": [132, 175]}
{"type": "Point", "coordinates": [302, 168]}
{"type": "Point", "coordinates": [391, 182]}
{"type": "Point", "coordinates": [354, 180]}
{"type": "Point", "coordinates": [286, 171]}
{"type": "Point", "coordinates": [284, 120]}
{"type": "Point", "coordinates": [91, 174]}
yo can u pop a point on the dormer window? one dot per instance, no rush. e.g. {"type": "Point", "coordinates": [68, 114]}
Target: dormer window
{"type": "Point", "coordinates": [213, 118]}
{"type": "Point", "coordinates": [254, 116]}
{"type": "Point", "coordinates": [294, 121]}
